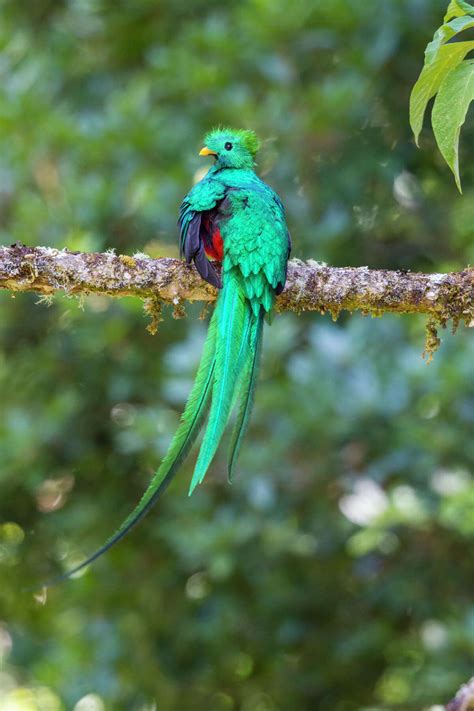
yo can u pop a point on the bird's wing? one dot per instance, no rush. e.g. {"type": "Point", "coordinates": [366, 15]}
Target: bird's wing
{"type": "Point", "coordinates": [205, 196]}
{"type": "Point", "coordinates": [280, 210]}
{"type": "Point", "coordinates": [258, 242]}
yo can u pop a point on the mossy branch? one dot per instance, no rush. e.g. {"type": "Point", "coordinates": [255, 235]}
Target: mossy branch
{"type": "Point", "coordinates": [310, 287]}
{"type": "Point", "coordinates": [464, 699]}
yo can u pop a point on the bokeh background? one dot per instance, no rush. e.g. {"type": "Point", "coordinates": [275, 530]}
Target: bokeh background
{"type": "Point", "coordinates": [337, 573]}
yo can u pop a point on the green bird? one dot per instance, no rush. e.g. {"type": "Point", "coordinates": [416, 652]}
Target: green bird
{"type": "Point", "coordinates": [231, 216]}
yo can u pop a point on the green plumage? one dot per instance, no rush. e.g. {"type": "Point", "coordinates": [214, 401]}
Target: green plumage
{"type": "Point", "coordinates": [246, 391]}
{"type": "Point", "coordinates": [235, 217]}
{"type": "Point", "coordinates": [233, 318]}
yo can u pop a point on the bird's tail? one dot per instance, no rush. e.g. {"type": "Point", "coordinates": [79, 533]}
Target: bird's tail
{"type": "Point", "coordinates": [227, 373]}
{"type": "Point", "coordinates": [238, 346]}
{"type": "Point", "coordinates": [192, 420]}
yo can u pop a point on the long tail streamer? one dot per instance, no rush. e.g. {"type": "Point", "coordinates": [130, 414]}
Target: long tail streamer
{"type": "Point", "coordinates": [227, 374]}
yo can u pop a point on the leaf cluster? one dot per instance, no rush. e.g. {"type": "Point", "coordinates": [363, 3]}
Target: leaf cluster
{"type": "Point", "coordinates": [448, 76]}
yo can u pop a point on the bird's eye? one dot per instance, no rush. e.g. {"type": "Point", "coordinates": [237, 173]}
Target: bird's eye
{"type": "Point", "coordinates": [228, 146]}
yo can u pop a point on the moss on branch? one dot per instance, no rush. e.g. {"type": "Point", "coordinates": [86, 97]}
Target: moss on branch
{"type": "Point", "coordinates": [310, 286]}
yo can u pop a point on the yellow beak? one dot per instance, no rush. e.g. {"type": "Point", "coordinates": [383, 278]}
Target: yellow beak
{"type": "Point", "coordinates": [206, 152]}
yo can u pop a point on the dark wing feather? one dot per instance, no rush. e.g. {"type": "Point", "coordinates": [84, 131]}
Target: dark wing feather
{"type": "Point", "coordinates": [194, 251]}
{"type": "Point", "coordinates": [191, 242]}
{"type": "Point", "coordinates": [281, 285]}
{"type": "Point", "coordinates": [193, 237]}
{"type": "Point", "coordinates": [206, 268]}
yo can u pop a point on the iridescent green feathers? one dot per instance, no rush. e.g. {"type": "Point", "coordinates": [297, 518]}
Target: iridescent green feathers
{"type": "Point", "coordinates": [231, 210]}
{"type": "Point", "coordinates": [234, 321]}
{"type": "Point", "coordinates": [246, 388]}
{"type": "Point", "coordinates": [233, 148]}
{"type": "Point", "coordinates": [247, 138]}
{"type": "Point", "coordinates": [257, 241]}
{"type": "Point", "coordinates": [191, 423]}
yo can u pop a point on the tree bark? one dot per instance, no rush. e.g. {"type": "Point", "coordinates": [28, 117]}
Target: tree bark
{"type": "Point", "coordinates": [464, 699]}
{"type": "Point", "coordinates": [310, 286]}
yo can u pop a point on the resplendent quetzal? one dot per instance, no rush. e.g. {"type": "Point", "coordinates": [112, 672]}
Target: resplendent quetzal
{"type": "Point", "coordinates": [233, 217]}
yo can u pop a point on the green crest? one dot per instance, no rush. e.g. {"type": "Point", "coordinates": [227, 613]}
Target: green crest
{"type": "Point", "coordinates": [246, 137]}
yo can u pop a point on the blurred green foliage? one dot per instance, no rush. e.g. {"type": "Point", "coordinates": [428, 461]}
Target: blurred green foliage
{"type": "Point", "coordinates": [337, 572]}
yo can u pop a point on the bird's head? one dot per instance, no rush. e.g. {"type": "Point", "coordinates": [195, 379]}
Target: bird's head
{"type": "Point", "coordinates": [231, 148]}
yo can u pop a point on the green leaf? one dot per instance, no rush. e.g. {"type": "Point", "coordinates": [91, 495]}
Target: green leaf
{"type": "Point", "coordinates": [466, 6]}
{"type": "Point", "coordinates": [449, 113]}
{"type": "Point", "coordinates": [444, 34]}
{"type": "Point", "coordinates": [453, 11]}
{"type": "Point", "coordinates": [457, 8]}
{"type": "Point", "coordinates": [430, 79]}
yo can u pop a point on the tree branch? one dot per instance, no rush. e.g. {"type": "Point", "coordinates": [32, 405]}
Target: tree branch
{"type": "Point", "coordinates": [464, 699]}
{"type": "Point", "coordinates": [310, 286]}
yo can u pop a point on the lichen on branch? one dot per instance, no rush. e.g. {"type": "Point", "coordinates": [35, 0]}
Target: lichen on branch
{"type": "Point", "coordinates": [311, 286]}
{"type": "Point", "coordinates": [464, 699]}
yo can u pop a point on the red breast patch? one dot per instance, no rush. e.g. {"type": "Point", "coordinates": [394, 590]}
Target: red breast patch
{"type": "Point", "coordinates": [214, 247]}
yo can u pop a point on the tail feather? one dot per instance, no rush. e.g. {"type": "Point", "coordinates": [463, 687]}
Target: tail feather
{"type": "Point", "coordinates": [192, 420]}
{"type": "Point", "coordinates": [234, 318]}
{"type": "Point", "coordinates": [247, 388]}
{"type": "Point", "coordinates": [227, 373]}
